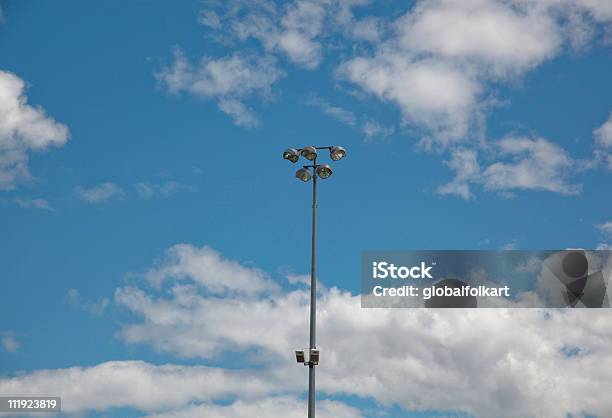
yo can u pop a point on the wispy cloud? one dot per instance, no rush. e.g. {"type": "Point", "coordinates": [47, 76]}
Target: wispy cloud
{"type": "Point", "coordinates": [100, 193]}
{"type": "Point", "coordinates": [603, 143]}
{"type": "Point", "coordinates": [9, 342]}
{"type": "Point", "coordinates": [372, 130]}
{"type": "Point", "coordinates": [150, 190]}
{"type": "Point", "coordinates": [339, 113]}
{"type": "Point", "coordinates": [95, 307]}
{"type": "Point", "coordinates": [28, 203]}
{"type": "Point", "coordinates": [229, 80]}
{"type": "Point", "coordinates": [606, 229]}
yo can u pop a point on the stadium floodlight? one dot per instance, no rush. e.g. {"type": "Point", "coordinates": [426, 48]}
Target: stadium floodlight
{"type": "Point", "coordinates": [291, 154]}
{"type": "Point", "coordinates": [314, 356]}
{"type": "Point", "coordinates": [337, 153]}
{"type": "Point", "coordinates": [324, 171]}
{"type": "Point", "coordinates": [303, 174]}
{"type": "Point", "coordinates": [310, 153]}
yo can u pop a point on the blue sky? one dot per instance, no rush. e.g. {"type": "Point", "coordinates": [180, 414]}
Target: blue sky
{"type": "Point", "coordinates": [127, 128]}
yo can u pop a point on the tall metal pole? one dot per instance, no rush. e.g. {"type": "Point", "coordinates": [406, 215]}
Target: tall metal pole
{"type": "Point", "coordinates": [313, 296]}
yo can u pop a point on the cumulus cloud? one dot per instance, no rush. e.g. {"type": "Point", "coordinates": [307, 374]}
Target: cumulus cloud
{"type": "Point", "coordinates": [480, 362]}
{"type": "Point", "coordinates": [439, 63]}
{"type": "Point", "coordinates": [100, 193]}
{"type": "Point", "coordinates": [23, 129]}
{"type": "Point", "coordinates": [229, 80]}
{"type": "Point", "coordinates": [169, 391]}
{"type": "Point", "coordinates": [295, 30]}
{"type": "Point", "coordinates": [210, 270]}
{"type": "Point", "coordinates": [522, 164]}
{"type": "Point", "coordinates": [273, 407]}
{"type": "Point", "coordinates": [430, 93]}
{"type": "Point", "coordinates": [501, 39]}
{"type": "Point", "coordinates": [537, 164]}
{"type": "Point", "coordinates": [440, 58]}
{"type": "Point", "coordinates": [487, 363]}
{"type": "Point", "coordinates": [137, 384]}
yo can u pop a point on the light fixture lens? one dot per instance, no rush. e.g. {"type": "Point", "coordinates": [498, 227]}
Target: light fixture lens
{"type": "Point", "coordinates": [324, 171]}
{"type": "Point", "coordinates": [303, 174]}
{"type": "Point", "coordinates": [337, 153]}
{"type": "Point", "coordinates": [310, 153]}
{"type": "Point", "coordinates": [291, 154]}
{"type": "Point", "coordinates": [314, 356]}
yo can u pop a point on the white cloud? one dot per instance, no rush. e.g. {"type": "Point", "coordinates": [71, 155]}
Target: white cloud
{"type": "Point", "coordinates": [487, 363]}
{"type": "Point", "coordinates": [230, 80]}
{"type": "Point", "coordinates": [606, 229]}
{"type": "Point", "coordinates": [168, 391]}
{"type": "Point", "coordinates": [440, 60]}
{"type": "Point", "coordinates": [210, 18]}
{"type": "Point", "coordinates": [339, 113]}
{"type": "Point", "coordinates": [440, 63]}
{"type": "Point", "coordinates": [521, 164]}
{"type": "Point", "coordinates": [242, 115]}
{"type": "Point", "coordinates": [494, 35]}
{"type": "Point", "coordinates": [430, 93]}
{"type": "Point", "coordinates": [100, 193]}
{"type": "Point", "coordinates": [294, 30]}
{"type": "Point", "coordinates": [372, 130]}
{"type": "Point", "coordinates": [9, 343]}
{"type": "Point", "coordinates": [456, 360]}
{"type": "Point", "coordinates": [136, 384]}
{"type": "Point", "coordinates": [367, 29]}
{"type": "Point", "coordinates": [210, 270]}
{"type": "Point", "coordinates": [273, 407]}
{"type": "Point", "coordinates": [27, 203]}
{"type": "Point", "coordinates": [149, 190]}
{"type": "Point", "coordinates": [375, 131]}
{"type": "Point", "coordinates": [603, 134]}
{"type": "Point", "coordinates": [537, 164]}
{"type": "Point", "coordinates": [95, 307]}
{"type": "Point", "coordinates": [603, 142]}
{"type": "Point", "coordinates": [465, 164]}
{"type": "Point", "coordinates": [23, 128]}
{"type": "Point", "coordinates": [302, 23]}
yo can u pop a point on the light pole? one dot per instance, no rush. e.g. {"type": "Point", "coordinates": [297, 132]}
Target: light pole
{"type": "Point", "coordinates": [305, 173]}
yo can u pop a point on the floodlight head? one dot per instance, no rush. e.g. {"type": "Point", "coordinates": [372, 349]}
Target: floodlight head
{"type": "Point", "coordinates": [310, 153]}
{"type": "Point", "coordinates": [300, 356]}
{"type": "Point", "coordinates": [324, 171]}
{"type": "Point", "coordinates": [291, 154]}
{"type": "Point", "coordinates": [303, 174]}
{"type": "Point", "coordinates": [337, 153]}
{"type": "Point", "coordinates": [314, 356]}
